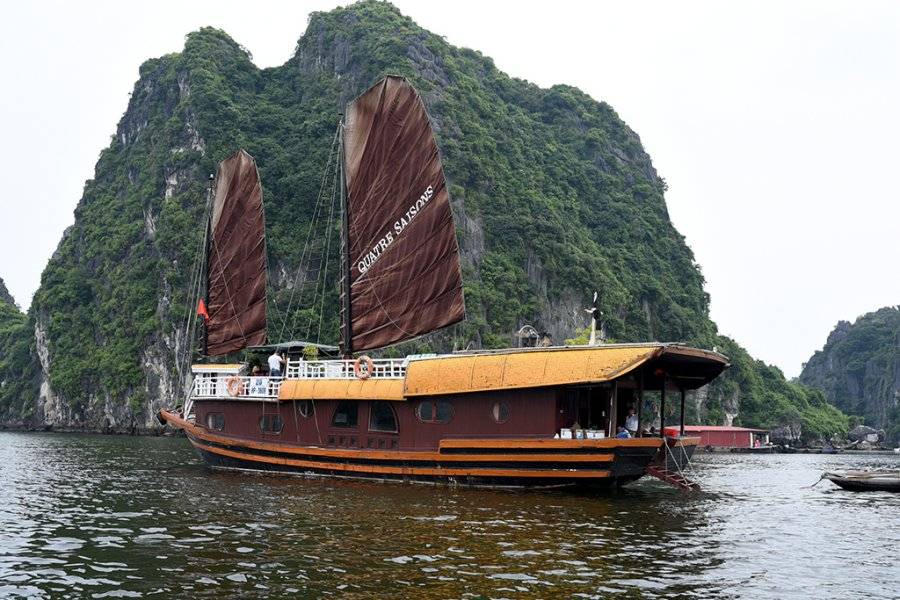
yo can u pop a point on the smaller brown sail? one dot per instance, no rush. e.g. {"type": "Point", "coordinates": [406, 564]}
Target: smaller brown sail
{"type": "Point", "coordinates": [236, 258]}
{"type": "Point", "coordinates": [403, 270]}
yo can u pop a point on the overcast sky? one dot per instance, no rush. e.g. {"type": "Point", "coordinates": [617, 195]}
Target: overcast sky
{"type": "Point", "coordinates": [776, 126]}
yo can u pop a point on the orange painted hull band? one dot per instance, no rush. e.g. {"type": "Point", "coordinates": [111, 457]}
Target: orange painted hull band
{"type": "Point", "coordinates": [492, 462]}
{"type": "Point", "coordinates": [406, 471]}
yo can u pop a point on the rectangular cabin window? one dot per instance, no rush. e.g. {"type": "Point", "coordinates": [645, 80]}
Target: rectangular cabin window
{"type": "Point", "coordinates": [345, 415]}
{"type": "Point", "coordinates": [382, 417]}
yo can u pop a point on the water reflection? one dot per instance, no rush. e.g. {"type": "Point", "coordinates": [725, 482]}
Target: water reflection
{"type": "Point", "coordinates": [93, 516]}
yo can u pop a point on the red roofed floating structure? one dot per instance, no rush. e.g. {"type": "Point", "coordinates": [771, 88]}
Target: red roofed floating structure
{"type": "Point", "coordinates": [719, 436]}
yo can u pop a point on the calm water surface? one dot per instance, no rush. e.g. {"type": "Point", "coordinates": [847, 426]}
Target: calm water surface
{"type": "Point", "coordinates": [106, 517]}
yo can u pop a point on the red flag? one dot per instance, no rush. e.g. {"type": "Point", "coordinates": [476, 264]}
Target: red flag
{"type": "Point", "coordinates": [201, 310]}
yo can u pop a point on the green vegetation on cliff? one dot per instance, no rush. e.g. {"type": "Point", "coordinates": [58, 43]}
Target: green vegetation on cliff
{"type": "Point", "coordinates": [859, 369]}
{"type": "Point", "coordinates": [5, 296]}
{"type": "Point", "coordinates": [554, 198]}
{"type": "Point", "coordinates": [18, 388]}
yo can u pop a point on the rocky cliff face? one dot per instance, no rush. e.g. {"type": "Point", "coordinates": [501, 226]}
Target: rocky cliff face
{"type": "Point", "coordinates": [859, 369]}
{"type": "Point", "coordinates": [5, 296]}
{"type": "Point", "coordinates": [554, 198]}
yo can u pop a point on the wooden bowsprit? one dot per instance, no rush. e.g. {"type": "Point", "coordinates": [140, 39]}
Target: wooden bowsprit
{"type": "Point", "coordinates": [672, 478]}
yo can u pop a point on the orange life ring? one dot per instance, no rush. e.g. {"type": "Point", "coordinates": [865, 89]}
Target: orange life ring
{"type": "Point", "coordinates": [234, 385]}
{"type": "Point", "coordinates": [370, 367]}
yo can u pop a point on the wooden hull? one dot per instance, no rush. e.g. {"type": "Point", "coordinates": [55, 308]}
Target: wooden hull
{"type": "Point", "coordinates": [755, 450]}
{"type": "Point", "coordinates": [866, 481]}
{"type": "Point", "coordinates": [470, 462]}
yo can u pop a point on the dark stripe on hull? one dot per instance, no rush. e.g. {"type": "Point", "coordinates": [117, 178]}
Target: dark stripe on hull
{"type": "Point", "coordinates": [504, 450]}
{"type": "Point", "coordinates": [216, 461]}
{"type": "Point", "coordinates": [629, 464]}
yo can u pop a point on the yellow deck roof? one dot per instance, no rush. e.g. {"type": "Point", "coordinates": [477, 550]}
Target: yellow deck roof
{"type": "Point", "coordinates": [509, 370]}
{"type": "Point", "coordinates": [523, 369]}
{"type": "Point", "coordinates": [341, 389]}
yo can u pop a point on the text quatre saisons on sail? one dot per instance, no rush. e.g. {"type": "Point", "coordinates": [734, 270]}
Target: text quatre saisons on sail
{"type": "Point", "coordinates": [366, 262]}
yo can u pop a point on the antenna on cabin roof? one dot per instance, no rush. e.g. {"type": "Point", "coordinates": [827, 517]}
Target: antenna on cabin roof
{"type": "Point", "coordinates": [595, 313]}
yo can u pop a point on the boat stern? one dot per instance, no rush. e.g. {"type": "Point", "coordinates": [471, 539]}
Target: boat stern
{"type": "Point", "coordinates": [571, 462]}
{"type": "Point", "coordinates": [632, 456]}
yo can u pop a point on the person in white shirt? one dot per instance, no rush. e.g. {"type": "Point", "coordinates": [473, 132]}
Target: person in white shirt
{"type": "Point", "coordinates": [631, 422]}
{"type": "Point", "coordinates": [276, 361]}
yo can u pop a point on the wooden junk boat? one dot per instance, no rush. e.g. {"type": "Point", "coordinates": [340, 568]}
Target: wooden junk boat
{"type": "Point", "coordinates": [530, 417]}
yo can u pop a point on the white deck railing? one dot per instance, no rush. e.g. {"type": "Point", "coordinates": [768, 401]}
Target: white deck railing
{"type": "Point", "coordinates": [215, 384]}
{"type": "Point", "coordinates": [383, 368]}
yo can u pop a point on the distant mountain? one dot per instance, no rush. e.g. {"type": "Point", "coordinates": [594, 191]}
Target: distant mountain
{"type": "Point", "coordinates": [553, 194]}
{"type": "Point", "coordinates": [859, 369]}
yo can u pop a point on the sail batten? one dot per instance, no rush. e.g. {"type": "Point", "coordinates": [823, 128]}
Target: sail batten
{"type": "Point", "coordinates": [404, 273]}
{"type": "Point", "coordinates": [236, 261]}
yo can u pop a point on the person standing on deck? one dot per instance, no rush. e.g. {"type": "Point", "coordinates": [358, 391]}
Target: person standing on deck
{"type": "Point", "coordinates": [631, 422]}
{"type": "Point", "coordinates": [275, 364]}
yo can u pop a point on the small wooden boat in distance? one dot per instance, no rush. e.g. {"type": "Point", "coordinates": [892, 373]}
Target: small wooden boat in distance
{"type": "Point", "coordinates": [880, 480]}
{"type": "Point", "coordinates": [766, 449]}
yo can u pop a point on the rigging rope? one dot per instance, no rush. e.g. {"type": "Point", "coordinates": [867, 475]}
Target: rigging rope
{"type": "Point", "coordinates": [183, 362]}
{"type": "Point", "coordinates": [306, 246]}
{"type": "Point", "coordinates": [328, 235]}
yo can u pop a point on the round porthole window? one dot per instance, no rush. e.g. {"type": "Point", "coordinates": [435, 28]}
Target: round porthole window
{"type": "Point", "coordinates": [500, 412]}
{"type": "Point", "coordinates": [425, 411]}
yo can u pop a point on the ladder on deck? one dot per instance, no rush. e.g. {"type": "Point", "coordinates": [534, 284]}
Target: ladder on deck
{"type": "Point", "coordinates": [673, 478]}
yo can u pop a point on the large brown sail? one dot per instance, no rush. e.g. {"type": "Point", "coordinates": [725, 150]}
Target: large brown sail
{"type": "Point", "coordinates": [236, 262]}
{"type": "Point", "coordinates": [404, 271]}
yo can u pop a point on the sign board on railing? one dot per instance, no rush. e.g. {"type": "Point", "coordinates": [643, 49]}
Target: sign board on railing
{"type": "Point", "coordinates": [259, 386]}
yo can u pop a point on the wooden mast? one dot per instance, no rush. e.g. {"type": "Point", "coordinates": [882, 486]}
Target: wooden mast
{"type": "Point", "coordinates": [205, 270]}
{"type": "Point", "coordinates": [345, 250]}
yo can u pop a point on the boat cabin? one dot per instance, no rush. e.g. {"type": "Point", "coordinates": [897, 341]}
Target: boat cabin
{"type": "Point", "coordinates": [419, 402]}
